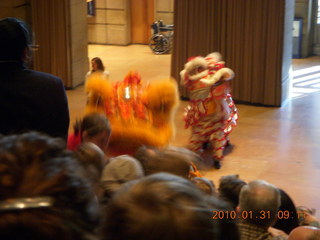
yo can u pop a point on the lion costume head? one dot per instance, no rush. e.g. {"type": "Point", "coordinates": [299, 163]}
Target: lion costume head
{"type": "Point", "coordinates": [140, 113]}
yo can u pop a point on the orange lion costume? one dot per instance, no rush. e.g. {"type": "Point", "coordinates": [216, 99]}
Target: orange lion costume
{"type": "Point", "coordinates": [139, 113]}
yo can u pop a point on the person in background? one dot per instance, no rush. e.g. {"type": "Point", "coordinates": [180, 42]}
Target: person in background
{"type": "Point", "coordinates": [97, 67]}
{"type": "Point", "coordinates": [94, 128]}
{"type": "Point", "coordinates": [155, 160]}
{"type": "Point", "coordinates": [259, 203]}
{"type": "Point", "coordinates": [29, 100]}
{"type": "Point", "coordinates": [44, 193]}
{"type": "Point", "coordinates": [119, 170]}
{"type": "Point", "coordinates": [287, 224]}
{"type": "Point", "coordinates": [229, 189]}
{"type": "Point", "coordinates": [306, 217]}
{"type": "Point", "coordinates": [93, 160]}
{"type": "Point", "coordinates": [305, 233]}
{"type": "Point", "coordinates": [205, 185]}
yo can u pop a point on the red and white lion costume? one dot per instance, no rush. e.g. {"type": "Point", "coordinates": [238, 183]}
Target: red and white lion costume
{"type": "Point", "coordinates": [212, 113]}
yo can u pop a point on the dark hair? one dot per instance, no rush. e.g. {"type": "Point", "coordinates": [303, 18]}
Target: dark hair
{"type": "Point", "coordinates": [91, 157]}
{"type": "Point", "coordinates": [284, 224]}
{"type": "Point", "coordinates": [205, 185]}
{"type": "Point", "coordinates": [14, 38]}
{"type": "Point", "coordinates": [99, 63]}
{"type": "Point", "coordinates": [155, 160]}
{"type": "Point", "coordinates": [163, 207]}
{"type": "Point", "coordinates": [34, 165]}
{"type": "Point", "coordinates": [229, 189]}
{"type": "Point", "coordinates": [92, 123]}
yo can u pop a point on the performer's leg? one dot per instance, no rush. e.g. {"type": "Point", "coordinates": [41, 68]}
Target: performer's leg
{"type": "Point", "coordinates": [218, 142]}
{"type": "Point", "coordinates": [197, 139]}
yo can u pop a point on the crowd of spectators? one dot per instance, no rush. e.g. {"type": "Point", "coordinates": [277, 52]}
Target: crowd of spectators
{"type": "Point", "coordinates": [50, 192]}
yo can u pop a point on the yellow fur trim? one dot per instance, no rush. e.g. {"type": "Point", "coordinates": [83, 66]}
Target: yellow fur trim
{"type": "Point", "coordinates": [98, 90]}
{"type": "Point", "coordinates": [99, 84]}
{"type": "Point", "coordinates": [160, 99]}
{"type": "Point", "coordinates": [162, 102]}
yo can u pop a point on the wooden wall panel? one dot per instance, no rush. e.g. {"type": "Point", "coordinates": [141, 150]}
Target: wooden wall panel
{"type": "Point", "coordinates": [111, 23]}
{"type": "Point", "coordinates": [142, 15]}
{"type": "Point", "coordinates": [49, 23]}
{"type": "Point", "coordinates": [61, 32]}
{"type": "Point", "coordinates": [163, 10]}
{"type": "Point", "coordinates": [248, 33]}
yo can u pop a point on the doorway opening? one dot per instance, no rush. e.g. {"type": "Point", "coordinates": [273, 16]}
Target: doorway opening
{"type": "Point", "coordinates": [306, 71]}
{"type": "Point", "coordinates": [306, 77]}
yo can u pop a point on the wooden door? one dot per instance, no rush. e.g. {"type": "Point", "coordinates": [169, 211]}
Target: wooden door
{"type": "Point", "coordinates": [61, 31]}
{"type": "Point", "coordinates": [142, 16]}
{"type": "Point", "coordinates": [49, 23]}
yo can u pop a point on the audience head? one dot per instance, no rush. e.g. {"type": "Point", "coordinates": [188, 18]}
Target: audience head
{"type": "Point", "coordinates": [97, 64]}
{"type": "Point", "coordinates": [287, 205]}
{"type": "Point", "coordinates": [95, 128]}
{"type": "Point", "coordinates": [155, 160]}
{"type": "Point", "coordinates": [306, 216]}
{"type": "Point", "coordinates": [43, 193]}
{"type": "Point", "coordinates": [260, 196]}
{"type": "Point", "coordinates": [305, 233]}
{"type": "Point", "coordinates": [162, 207]}
{"type": "Point", "coordinates": [229, 189]}
{"type": "Point", "coordinates": [195, 161]}
{"type": "Point", "coordinates": [205, 185]}
{"type": "Point", "coordinates": [118, 171]}
{"type": "Point", "coordinates": [14, 39]}
{"type": "Point", "coordinates": [93, 159]}
{"type": "Point", "coordinates": [190, 155]}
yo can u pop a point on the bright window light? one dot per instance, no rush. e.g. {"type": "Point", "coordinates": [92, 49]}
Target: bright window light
{"type": "Point", "coordinates": [318, 16]}
{"type": "Point", "coordinates": [296, 95]}
{"type": "Point", "coordinates": [305, 71]}
{"type": "Point", "coordinates": [305, 90]}
{"type": "Point", "coordinates": [306, 78]}
{"type": "Point", "coordinates": [307, 83]}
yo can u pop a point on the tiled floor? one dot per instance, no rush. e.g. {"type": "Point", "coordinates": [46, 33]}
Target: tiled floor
{"type": "Point", "coordinates": [280, 145]}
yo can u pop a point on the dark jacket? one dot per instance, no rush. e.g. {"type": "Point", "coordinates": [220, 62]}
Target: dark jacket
{"type": "Point", "coordinates": [31, 100]}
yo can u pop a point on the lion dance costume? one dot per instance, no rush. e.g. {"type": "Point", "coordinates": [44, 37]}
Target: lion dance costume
{"type": "Point", "coordinates": [139, 113]}
{"type": "Point", "coordinates": [212, 113]}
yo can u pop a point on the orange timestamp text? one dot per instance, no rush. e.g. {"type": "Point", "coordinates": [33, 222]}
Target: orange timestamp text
{"type": "Point", "coordinates": [222, 214]}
